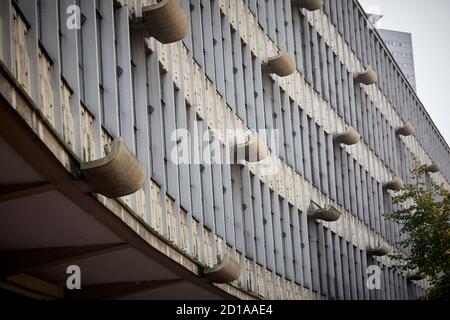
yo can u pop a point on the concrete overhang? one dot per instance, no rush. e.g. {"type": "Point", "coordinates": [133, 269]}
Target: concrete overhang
{"type": "Point", "coordinates": [48, 222]}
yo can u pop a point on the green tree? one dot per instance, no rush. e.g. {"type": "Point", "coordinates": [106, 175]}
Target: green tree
{"type": "Point", "coordinates": [425, 218]}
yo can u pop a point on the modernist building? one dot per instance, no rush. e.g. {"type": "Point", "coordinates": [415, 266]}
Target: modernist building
{"type": "Point", "coordinates": [90, 191]}
{"type": "Point", "coordinates": [401, 47]}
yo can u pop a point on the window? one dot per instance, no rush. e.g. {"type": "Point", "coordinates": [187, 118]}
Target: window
{"type": "Point", "coordinates": [321, 149]}
{"type": "Point", "coordinates": [61, 36]}
{"type": "Point", "coordinates": [99, 19]}
{"type": "Point", "coordinates": [81, 56]}
{"type": "Point", "coordinates": [39, 19]}
{"type": "Point", "coordinates": [133, 89]}
{"type": "Point", "coordinates": [118, 68]}
{"type": "Point", "coordinates": [314, 62]}
{"type": "Point", "coordinates": [303, 45]}
{"type": "Point", "coordinates": [397, 54]}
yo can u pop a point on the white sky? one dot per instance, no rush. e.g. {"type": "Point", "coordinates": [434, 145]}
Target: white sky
{"type": "Point", "coordinates": [429, 23]}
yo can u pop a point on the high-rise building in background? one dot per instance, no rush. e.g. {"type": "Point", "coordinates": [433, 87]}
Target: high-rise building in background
{"type": "Point", "coordinates": [401, 46]}
{"type": "Point", "coordinates": [134, 153]}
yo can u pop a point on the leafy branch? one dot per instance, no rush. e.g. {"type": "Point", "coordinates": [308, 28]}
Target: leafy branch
{"type": "Point", "coordinates": [425, 219]}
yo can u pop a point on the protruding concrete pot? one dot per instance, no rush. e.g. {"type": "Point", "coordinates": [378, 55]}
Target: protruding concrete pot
{"type": "Point", "coordinates": [406, 130]}
{"type": "Point", "coordinates": [118, 174]}
{"type": "Point", "coordinates": [165, 21]}
{"type": "Point", "coordinates": [248, 146]}
{"type": "Point", "coordinates": [434, 168]}
{"type": "Point", "coordinates": [225, 271]}
{"type": "Point", "coordinates": [281, 65]}
{"type": "Point", "coordinates": [414, 276]}
{"type": "Point", "coordinates": [367, 77]}
{"type": "Point", "coordinates": [328, 213]}
{"type": "Point", "coordinates": [348, 138]}
{"type": "Point", "coordinates": [310, 5]}
{"type": "Point", "coordinates": [379, 251]}
{"type": "Point", "coordinates": [394, 185]}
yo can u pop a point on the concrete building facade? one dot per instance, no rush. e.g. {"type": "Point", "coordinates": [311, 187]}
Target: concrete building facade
{"type": "Point", "coordinates": [114, 79]}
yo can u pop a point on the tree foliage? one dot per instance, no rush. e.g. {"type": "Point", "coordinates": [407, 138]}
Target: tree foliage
{"type": "Point", "coordinates": [425, 218]}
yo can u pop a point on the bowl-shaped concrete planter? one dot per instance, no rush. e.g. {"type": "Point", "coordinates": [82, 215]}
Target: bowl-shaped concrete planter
{"type": "Point", "coordinates": [225, 271]}
{"type": "Point", "coordinates": [379, 251]}
{"type": "Point", "coordinates": [281, 65]}
{"type": "Point", "coordinates": [415, 276]}
{"type": "Point", "coordinates": [248, 146]}
{"type": "Point", "coordinates": [348, 138]}
{"type": "Point", "coordinates": [393, 185]}
{"type": "Point", "coordinates": [165, 21]}
{"type": "Point", "coordinates": [406, 130]}
{"type": "Point", "coordinates": [434, 168]}
{"type": "Point", "coordinates": [118, 174]}
{"type": "Point", "coordinates": [328, 213]}
{"type": "Point", "coordinates": [367, 77]}
{"type": "Point", "coordinates": [310, 5]}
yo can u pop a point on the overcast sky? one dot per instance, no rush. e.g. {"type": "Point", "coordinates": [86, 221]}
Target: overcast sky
{"type": "Point", "coordinates": [429, 23]}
